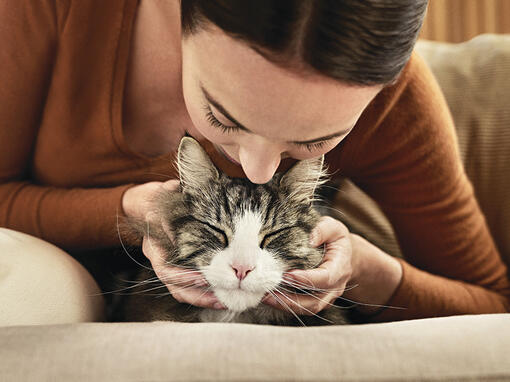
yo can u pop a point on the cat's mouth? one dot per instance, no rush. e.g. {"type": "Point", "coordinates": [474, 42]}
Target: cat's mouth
{"type": "Point", "coordinates": [238, 299]}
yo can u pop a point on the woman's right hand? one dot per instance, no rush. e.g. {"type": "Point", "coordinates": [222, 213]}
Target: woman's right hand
{"type": "Point", "coordinates": [185, 285]}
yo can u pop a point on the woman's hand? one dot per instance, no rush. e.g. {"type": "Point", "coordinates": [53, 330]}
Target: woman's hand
{"type": "Point", "coordinates": [373, 274]}
{"type": "Point", "coordinates": [136, 200]}
{"type": "Point", "coordinates": [329, 279]}
{"type": "Point", "coordinates": [185, 285]}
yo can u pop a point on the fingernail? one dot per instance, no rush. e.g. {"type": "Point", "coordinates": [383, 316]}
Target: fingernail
{"type": "Point", "coordinates": [217, 305]}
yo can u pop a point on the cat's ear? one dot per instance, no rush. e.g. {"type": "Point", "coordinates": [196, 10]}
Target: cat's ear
{"type": "Point", "coordinates": [301, 180]}
{"type": "Point", "coordinates": [195, 167]}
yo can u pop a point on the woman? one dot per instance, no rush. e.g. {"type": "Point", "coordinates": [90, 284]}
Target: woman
{"type": "Point", "coordinates": [98, 95]}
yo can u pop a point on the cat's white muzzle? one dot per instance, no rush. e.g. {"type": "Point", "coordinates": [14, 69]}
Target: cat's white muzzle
{"type": "Point", "coordinates": [238, 300]}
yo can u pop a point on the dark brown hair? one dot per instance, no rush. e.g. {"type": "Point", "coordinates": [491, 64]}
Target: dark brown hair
{"type": "Point", "coordinates": [364, 42]}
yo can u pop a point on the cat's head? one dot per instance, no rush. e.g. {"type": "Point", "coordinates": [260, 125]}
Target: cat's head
{"type": "Point", "coordinates": [242, 236]}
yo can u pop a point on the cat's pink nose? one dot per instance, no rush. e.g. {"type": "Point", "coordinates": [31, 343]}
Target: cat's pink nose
{"type": "Point", "coordinates": [242, 270]}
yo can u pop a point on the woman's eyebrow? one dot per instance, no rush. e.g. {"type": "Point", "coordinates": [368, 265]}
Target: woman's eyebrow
{"type": "Point", "coordinates": [240, 126]}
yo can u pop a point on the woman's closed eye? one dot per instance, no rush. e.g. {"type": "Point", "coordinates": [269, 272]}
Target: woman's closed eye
{"type": "Point", "coordinates": [213, 121]}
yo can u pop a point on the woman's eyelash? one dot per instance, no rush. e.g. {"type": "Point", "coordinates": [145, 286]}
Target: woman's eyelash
{"type": "Point", "coordinates": [313, 146]}
{"type": "Point", "coordinates": [214, 121]}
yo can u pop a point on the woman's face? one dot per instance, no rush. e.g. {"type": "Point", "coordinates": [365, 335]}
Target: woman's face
{"type": "Point", "coordinates": [258, 113]}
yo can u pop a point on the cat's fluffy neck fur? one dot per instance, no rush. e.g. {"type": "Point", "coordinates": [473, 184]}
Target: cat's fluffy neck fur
{"type": "Point", "coordinates": [262, 314]}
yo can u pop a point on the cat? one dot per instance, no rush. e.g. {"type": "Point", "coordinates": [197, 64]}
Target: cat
{"type": "Point", "coordinates": [219, 223]}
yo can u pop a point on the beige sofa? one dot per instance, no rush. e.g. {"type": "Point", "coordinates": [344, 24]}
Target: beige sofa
{"type": "Point", "coordinates": [475, 77]}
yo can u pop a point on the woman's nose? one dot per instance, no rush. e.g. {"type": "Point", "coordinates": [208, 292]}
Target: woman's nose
{"type": "Point", "coordinates": [259, 162]}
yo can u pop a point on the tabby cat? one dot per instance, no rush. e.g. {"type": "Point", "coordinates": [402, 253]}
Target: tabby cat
{"type": "Point", "coordinates": [219, 222]}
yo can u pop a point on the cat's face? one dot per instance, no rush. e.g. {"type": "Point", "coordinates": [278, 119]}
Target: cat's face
{"type": "Point", "coordinates": [240, 235]}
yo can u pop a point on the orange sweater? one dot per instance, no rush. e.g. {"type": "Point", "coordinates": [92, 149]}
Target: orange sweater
{"type": "Point", "coordinates": [64, 164]}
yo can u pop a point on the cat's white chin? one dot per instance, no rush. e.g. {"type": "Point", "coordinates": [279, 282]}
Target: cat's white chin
{"type": "Point", "coordinates": [238, 300]}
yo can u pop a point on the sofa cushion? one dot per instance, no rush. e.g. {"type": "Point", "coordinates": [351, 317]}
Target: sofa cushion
{"type": "Point", "coordinates": [474, 77]}
{"type": "Point", "coordinates": [458, 348]}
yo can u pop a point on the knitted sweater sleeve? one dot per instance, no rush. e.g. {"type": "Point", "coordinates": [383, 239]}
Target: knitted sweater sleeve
{"type": "Point", "coordinates": [406, 158]}
{"type": "Point", "coordinates": [70, 218]}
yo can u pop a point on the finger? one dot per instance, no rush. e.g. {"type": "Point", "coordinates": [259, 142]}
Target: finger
{"type": "Point", "coordinates": [154, 253]}
{"type": "Point", "coordinates": [299, 304]}
{"type": "Point", "coordinates": [328, 230]}
{"type": "Point", "coordinates": [171, 185]}
{"type": "Point", "coordinates": [197, 297]}
{"type": "Point", "coordinates": [181, 277]}
{"type": "Point", "coordinates": [152, 217]}
{"type": "Point", "coordinates": [318, 278]}
{"type": "Point", "coordinates": [169, 274]}
{"type": "Point", "coordinates": [335, 267]}
{"type": "Point", "coordinates": [168, 230]}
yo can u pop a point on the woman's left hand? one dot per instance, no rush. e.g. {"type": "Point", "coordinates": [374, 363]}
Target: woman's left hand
{"type": "Point", "coordinates": [329, 279]}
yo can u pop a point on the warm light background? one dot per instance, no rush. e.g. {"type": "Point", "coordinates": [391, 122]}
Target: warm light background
{"type": "Point", "coordinates": [461, 20]}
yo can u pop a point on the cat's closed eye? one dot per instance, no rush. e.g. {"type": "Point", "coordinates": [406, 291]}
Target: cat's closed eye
{"type": "Point", "coordinates": [219, 233]}
{"type": "Point", "coordinates": [242, 237]}
{"type": "Point", "coordinates": [272, 235]}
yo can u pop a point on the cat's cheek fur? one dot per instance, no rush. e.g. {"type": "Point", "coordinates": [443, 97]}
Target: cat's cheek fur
{"type": "Point", "coordinates": [239, 295]}
{"type": "Point", "coordinates": [266, 270]}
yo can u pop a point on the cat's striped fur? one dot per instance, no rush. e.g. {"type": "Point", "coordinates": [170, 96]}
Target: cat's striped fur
{"type": "Point", "coordinates": [218, 221]}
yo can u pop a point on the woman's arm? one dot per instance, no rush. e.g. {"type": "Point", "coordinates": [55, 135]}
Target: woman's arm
{"type": "Point", "coordinates": [375, 279]}
{"type": "Point", "coordinates": [70, 218]}
{"type": "Point", "coordinates": [404, 155]}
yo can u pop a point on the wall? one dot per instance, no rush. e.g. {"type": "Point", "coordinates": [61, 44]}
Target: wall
{"type": "Point", "coordinates": [460, 20]}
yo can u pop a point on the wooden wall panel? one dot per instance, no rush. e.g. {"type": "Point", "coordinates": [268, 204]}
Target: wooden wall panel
{"type": "Point", "coordinates": [460, 20]}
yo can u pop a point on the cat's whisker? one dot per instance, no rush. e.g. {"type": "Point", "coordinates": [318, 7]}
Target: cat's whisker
{"type": "Point", "coordinates": [348, 288]}
{"type": "Point", "coordinates": [381, 306]}
{"type": "Point", "coordinates": [320, 299]}
{"type": "Point", "coordinates": [296, 283]}
{"type": "Point", "coordinates": [337, 189]}
{"type": "Point", "coordinates": [151, 279]}
{"type": "Point", "coordinates": [301, 283]}
{"type": "Point", "coordinates": [116, 291]}
{"type": "Point", "coordinates": [163, 286]}
{"type": "Point", "coordinates": [193, 303]}
{"type": "Point", "coordinates": [161, 295]}
{"type": "Point", "coordinates": [185, 272]}
{"type": "Point", "coordinates": [124, 247]}
{"type": "Point", "coordinates": [182, 288]}
{"type": "Point", "coordinates": [302, 307]}
{"type": "Point", "coordinates": [334, 209]}
{"type": "Point", "coordinates": [288, 308]}
{"type": "Point", "coordinates": [180, 266]}
{"type": "Point", "coordinates": [137, 284]}
{"type": "Point", "coordinates": [301, 286]}
{"type": "Point", "coordinates": [150, 289]}
{"type": "Point", "coordinates": [126, 288]}
{"type": "Point", "coordinates": [202, 226]}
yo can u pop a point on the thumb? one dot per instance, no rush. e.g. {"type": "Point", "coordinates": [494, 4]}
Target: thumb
{"type": "Point", "coordinates": [171, 185]}
{"type": "Point", "coordinates": [328, 230]}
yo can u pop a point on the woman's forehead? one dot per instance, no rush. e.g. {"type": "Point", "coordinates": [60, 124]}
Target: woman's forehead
{"type": "Point", "coordinates": [258, 92]}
